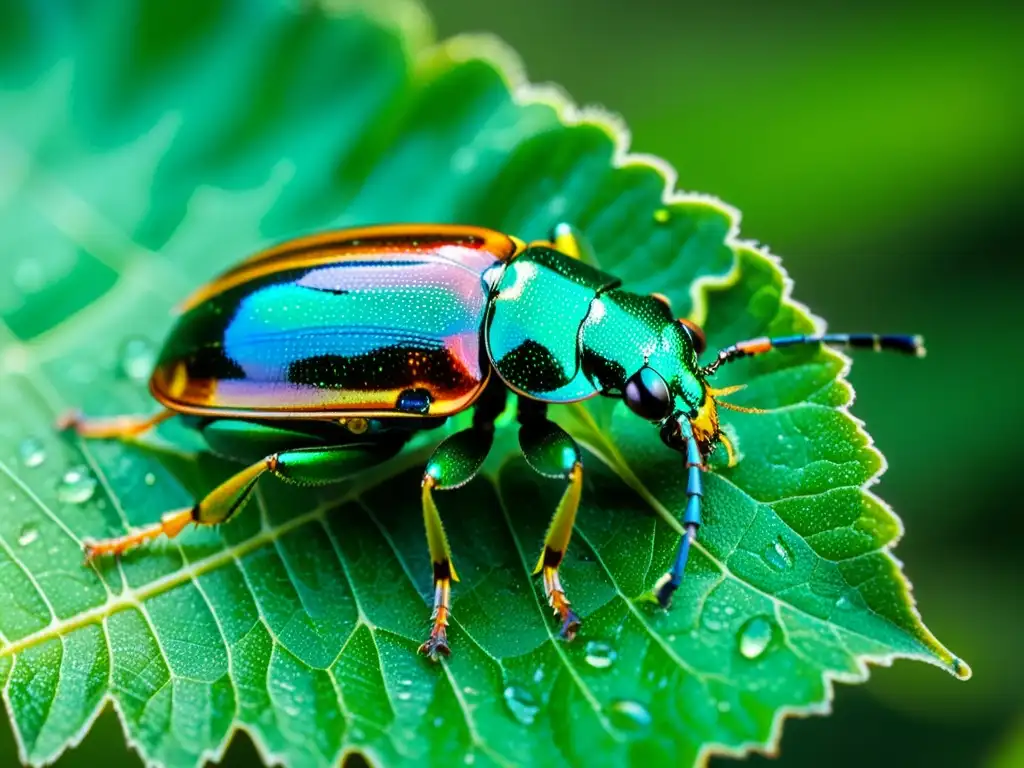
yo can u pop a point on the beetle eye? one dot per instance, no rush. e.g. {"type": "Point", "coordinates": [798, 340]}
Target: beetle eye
{"type": "Point", "coordinates": [696, 334]}
{"type": "Point", "coordinates": [647, 395]}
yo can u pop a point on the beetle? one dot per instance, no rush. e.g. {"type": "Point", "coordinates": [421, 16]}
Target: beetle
{"type": "Point", "coordinates": [322, 356]}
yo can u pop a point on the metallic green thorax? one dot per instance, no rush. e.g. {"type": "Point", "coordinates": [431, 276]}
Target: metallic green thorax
{"type": "Point", "coordinates": [560, 330]}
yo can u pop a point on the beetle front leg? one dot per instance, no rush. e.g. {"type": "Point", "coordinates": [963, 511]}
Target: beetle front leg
{"type": "Point", "coordinates": [306, 466]}
{"type": "Point", "coordinates": [551, 452]}
{"type": "Point", "coordinates": [691, 522]}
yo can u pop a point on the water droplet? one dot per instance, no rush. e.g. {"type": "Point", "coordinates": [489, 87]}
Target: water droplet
{"type": "Point", "coordinates": [844, 603]}
{"type": "Point", "coordinates": [29, 276]}
{"type": "Point", "coordinates": [709, 622]}
{"type": "Point", "coordinates": [538, 675]}
{"type": "Point", "coordinates": [404, 695]}
{"type": "Point", "coordinates": [754, 637]}
{"type": "Point", "coordinates": [438, 721]}
{"type": "Point", "coordinates": [150, 478]}
{"type": "Point", "coordinates": [77, 486]}
{"type": "Point", "coordinates": [522, 704]}
{"type": "Point", "coordinates": [627, 715]}
{"type": "Point", "coordinates": [729, 610]}
{"type": "Point", "coordinates": [662, 215]}
{"type": "Point", "coordinates": [469, 759]}
{"type": "Point", "coordinates": [724, 706]}
{"type": "Point", "coordinates": [778, 556]}
{"type": "Point", "coordinates": [31, 452]}
{"type": "Point", "coordinates": [137, 358]}
{"type": "Point", "coordinates": [29, 533]}
{"type": "Point", "coordinates": [600, 655]}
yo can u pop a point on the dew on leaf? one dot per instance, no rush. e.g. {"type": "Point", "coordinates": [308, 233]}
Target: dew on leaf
{"type": "Point", "coordinates": [599, 654]}
{"type": "Point", "coordinates": [31, 452]}
{"type": "Point", "coordinates": [724, 706]}
{"type": "Point", "coordinates": [710, 621]}
{"type": "Point", "coordinates": [136, 358]}
{"type": "Point", "coordinates": [662, 215]}
{"type": "Point", "coordinates": [28, 534]}
{"type": "Point", "coordinates": [754, 637]}
{"type": "Point", "coordinates": [844, 603]}
{"type": "Point", "coordinates": [404, 695]}
{"type": "Point", "coordinates": [149, 479]}
{"type": "Point", "coordinates": [76, 486]}
{"type": "Point", "coordinates": [522, 704]}
{"type": "Point", "coordinates": [629, 715]}
{"type": "Point", "coordinates": [778, 556]}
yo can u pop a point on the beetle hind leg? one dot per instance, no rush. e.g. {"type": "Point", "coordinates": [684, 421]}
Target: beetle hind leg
{"type": "Point", "coordinates": [125, 428]}
{"type": "Point", "coordinates": [551, 452]}
{"type": "Point", "coordinates": [306, 466]}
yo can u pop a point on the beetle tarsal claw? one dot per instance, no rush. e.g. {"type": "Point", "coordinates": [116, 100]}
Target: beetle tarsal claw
{"type": "Point", "coordinates": [436, 645]}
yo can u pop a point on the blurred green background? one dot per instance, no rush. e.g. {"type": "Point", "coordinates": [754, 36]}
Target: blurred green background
{"type": "Point", "coordinates": [879, 151]}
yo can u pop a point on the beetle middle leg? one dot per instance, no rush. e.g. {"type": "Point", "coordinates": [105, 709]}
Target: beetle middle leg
{"type": "Point", "coordinates": [455, 461]}
{"type": "Point", "coordinates": [551, 452]}
{"type": "Point", "coordinates": [318, 465]}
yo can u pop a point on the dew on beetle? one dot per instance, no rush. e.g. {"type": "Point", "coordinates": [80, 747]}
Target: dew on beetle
{"type": "Point", "coordinates": [76, 486]}
{"type": "Point", "coordinates": [31, 452]}
{"type": "Point", "coordinates": [29, 276]}
{"type": "Point", "coordinates": [729, 610]}
{"type": "Point", "coordinates": [754, 637]}
{"type": "Point", "coordinates": [599, 654]}
{"type": "Point", "coordinates": [629, 715]}
{"type": "Point", "coordinates": [403, 695]}
{"type": "Point", "coordinates": [28, 534]}
{"type": "Point", "coordinates": [778, 556]}
{"type": "Point", "coordinates": [137, 358]}
{"type": "Point", "coordinates": [150, 478]}
{"type": "Point", "coordinates": [522, 704]}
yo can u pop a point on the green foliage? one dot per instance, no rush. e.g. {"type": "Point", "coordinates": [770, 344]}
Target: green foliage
{"type": "Point", "coordinates": [145, 147]}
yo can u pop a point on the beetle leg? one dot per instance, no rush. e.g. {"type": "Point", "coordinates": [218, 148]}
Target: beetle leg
{"type": "Point", "coordinates": [553, 453]}
{"type": "Point", "coordinates": [566, 239]}
{"type": "Point", "coordinates": [306, 466]}
{"type": "Point", "coordinates": [124, 428]}
{"type": "Point", "coordinates": [691, 522]}
{"type": "Point", "coordinates": [454, 462]}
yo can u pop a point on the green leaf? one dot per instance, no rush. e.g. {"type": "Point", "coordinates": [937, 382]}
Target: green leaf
{"type": "Point", "coordinates": [147, 146]}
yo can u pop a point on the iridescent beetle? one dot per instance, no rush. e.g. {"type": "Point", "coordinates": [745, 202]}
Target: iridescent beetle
{"type": "Point", "coordinates": [321, 357]}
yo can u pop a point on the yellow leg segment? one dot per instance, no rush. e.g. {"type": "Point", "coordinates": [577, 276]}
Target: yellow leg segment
{"type": "Point", "coordinates": [444, 574]}
{"type": "Point", "coordinates": [555, 544]}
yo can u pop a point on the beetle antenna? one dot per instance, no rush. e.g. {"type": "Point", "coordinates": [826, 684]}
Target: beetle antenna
{"type": "Point", "coordinates": [910, 345]}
